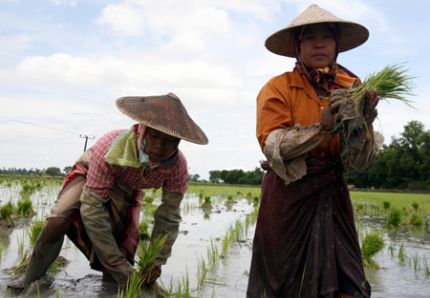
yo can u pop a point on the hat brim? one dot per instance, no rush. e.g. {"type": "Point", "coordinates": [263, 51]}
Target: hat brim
{"type": "Point", "coordinates": [164, 113]}
{"type": "Point", "coordinates": [351, 35]}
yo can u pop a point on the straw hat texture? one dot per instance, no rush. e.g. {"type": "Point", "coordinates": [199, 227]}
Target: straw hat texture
{"type": "Point", "coordinates": [351, 34]}
{"type": "Point", "coordinates": [164, 113]}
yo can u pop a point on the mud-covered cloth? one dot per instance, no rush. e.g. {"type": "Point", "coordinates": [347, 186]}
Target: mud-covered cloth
{"type": "Point", "coordinates": [305, 242]}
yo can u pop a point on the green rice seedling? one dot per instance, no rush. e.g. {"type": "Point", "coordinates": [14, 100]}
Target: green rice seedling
{"type": "Point", "coordinates": [230, 200]}
{"type": "Point", "coordinates": [415, 206]}
{"type": "Point", "coordinates": [25, 207]}
{"type": "Point", "coordinates": [6, 212]}
{"type": "Point", "coordinates": [1, 252]}
{"type": "Point", "coordinates": [401, 254]}
{"type": "Point", "coordinates": [394, 218]}
{"type": "Point", "coordinates": [426, 268]}
{"type": "Point", "coordinates": [391, 82]}
{"type": "Point", "coordinates": [186, 286]}
{"type": "Point", "coordinates": [391, 249]}
{"type": "Point", "coordinates": [202, 271]}
{"type": "Point", "coordinates": [206, 204]}
{"type": "Point", "coordinates": [144, 230]}
{"type": "Point", "coordinates": [415, 260]}
{"type": "Point", "coordinates": [371, 245]}
{"type": "Point", "coordinates": [256, 200]}
{"type": "Point", "coordinates": [20, 242]}
{"type": "Point", "coordinates": [23, 263]}
{"type": "Point", "coordinates": [147, 255]}
{"type": "Point", "coordinates": [201, 195]}
{"type": "Point", "coordinates": [27, 189]}
{"type": "Point", "coordinates": [132, 288]}
{"type": "Point", "coordinates": [416, 220]}
{"type": "Point", "coordinates": [225, 244]}
{"type": "Point", "coordinates": [213, 256]}
{"type": "Point", "coordinates": [148, 199]}
{"type": "Point", "coordinates": [386, 205]}
{"type": "Point", "coordinates": [35, 230]}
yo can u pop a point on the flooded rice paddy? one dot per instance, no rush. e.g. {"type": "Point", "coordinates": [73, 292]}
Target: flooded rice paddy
{"type": "Point", "coordinates": [212, 254]}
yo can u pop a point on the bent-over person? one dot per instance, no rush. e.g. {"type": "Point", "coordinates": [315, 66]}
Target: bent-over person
{"type": "Point", "coordinates": [99, 204]}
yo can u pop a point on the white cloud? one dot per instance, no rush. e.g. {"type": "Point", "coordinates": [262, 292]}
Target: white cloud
{"type": "Point", "coordinates": [123, 18]}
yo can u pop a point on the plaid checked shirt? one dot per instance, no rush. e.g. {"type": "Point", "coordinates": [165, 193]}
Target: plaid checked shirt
{"type": "Point", "coordinates": [102, 176]}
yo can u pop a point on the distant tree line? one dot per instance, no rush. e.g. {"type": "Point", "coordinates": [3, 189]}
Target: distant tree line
{"type": "Point", "coordinates": [50, 171]}
{"type": "Point", "coordinates": [236, 176]}
{"type": "Point", "coordinates": [403, 164]}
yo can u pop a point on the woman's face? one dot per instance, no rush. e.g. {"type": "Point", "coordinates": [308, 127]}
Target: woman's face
{"type": "Point", "coordinates": [159, 146]}
{"type": "Point", "coordinates": [317, 46]}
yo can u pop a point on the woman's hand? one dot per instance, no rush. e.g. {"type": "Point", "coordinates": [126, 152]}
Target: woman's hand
{"type": "Point", "coordinates": [328, 116]}
{"type": "Point", "coordinates": [371, 100]}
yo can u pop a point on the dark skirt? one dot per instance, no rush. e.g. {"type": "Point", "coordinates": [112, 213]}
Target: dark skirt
{"type": "Point", "coordinates": [305, 242]}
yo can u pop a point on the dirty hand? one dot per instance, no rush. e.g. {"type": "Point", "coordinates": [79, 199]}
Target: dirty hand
{"type": "Point", "coordinates": [371, 101]}
{"type": "Point", "coordinates": [151, 276]}
{"type": "Point", "coordinates": [328, 116]}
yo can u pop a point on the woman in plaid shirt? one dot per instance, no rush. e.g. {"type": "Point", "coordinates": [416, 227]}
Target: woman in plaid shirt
{"type": "Point", "coordinates": [99, 205]}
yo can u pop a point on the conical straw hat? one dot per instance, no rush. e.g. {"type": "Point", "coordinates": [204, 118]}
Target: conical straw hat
{"type": "Point", "coordinates": [351, 34]}
{"type": "Point", "coordinates": [164, 113]}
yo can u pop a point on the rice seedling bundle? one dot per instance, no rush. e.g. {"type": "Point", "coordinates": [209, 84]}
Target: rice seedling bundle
{"type": "Point", "coordinates": [147, 255]}
{"type": "Point", "coordinates": [372, 244]}
{"type": "Point", "coordinates": [355, 115]}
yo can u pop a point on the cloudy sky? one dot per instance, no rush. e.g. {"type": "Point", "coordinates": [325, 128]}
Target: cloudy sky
{"type": "Point", "coordinates": [64, 62]}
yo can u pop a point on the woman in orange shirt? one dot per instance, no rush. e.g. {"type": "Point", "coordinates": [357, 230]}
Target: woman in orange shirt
{"type": "Point", "coordinates": [305, 243]}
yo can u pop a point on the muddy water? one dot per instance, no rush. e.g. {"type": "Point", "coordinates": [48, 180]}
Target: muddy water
{"type": "Point", "coordinates": [396, 278]}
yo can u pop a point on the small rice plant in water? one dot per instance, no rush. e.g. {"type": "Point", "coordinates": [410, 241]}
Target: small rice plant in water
{"type": "Point", "coordinates": [144, 230]}
{"type": "Point", "coordinates": [256, 200]}
{"type": "Point", "coordinates": [415, 260]}
{"type": "Point", "coordinates": [391, 249]}
{"type": "Point", "coordinates": [132, 287]}
{"type": "Point", "coordinates": [394, 218]}
{"type": "Point", "coordinates": [426, 268]}
{"type": "Point", "coordinates": [6, 213]}
{"type": "Point", "coordinates": [202, 271]}
{"type": "Point", "coordinates": [230, 200]}
{"type": "Point", "coordinates": [372, 244]}
{"type": "Point", "coordinates": [213, 256]}
{"type": "Point", "coordinates": [1, 251]}
{"type": "Point", "coordinates": [207, 203]}
{"type": "Point", "coordinates": [33, 234]}
{"type": "Point", "coordinates": [416, 220]}
{"type": "Point", "coordinates": [401, 254]}
{"type": "Point", "coordinates": [25, 207]}
{"type": "Point", "coordinates": [148, 199]}
{"type": "Point", "coordinates": [415, 206]}
{"type": "Point", "coordinates": [386, 205]}
{"type": "Point", "coordinates": [35, 230]}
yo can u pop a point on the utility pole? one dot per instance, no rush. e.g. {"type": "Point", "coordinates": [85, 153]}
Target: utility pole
{"type": "Point", "coordinates": [86, 140]}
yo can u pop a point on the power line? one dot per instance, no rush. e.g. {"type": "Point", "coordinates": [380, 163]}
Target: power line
{"type": "Point", "coordinates": [38, 125]}
{"type": "Point", "coordinates": [50, 128]}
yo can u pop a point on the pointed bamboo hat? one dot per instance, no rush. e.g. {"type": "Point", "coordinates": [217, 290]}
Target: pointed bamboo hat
{"type": "Point", "coordinates": [165, 113]}
{"type": "Point", "coordinates": [351, 34]}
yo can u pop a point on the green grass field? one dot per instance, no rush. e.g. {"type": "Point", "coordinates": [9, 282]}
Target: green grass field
{"type": "Point", "coordinates": [397, 200]}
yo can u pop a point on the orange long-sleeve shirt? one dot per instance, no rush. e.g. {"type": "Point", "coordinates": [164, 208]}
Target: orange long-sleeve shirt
{"type": "Point", "coordinates": [286, 100]}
